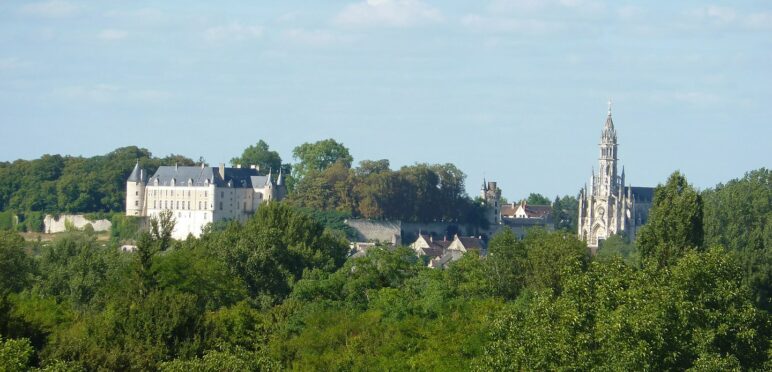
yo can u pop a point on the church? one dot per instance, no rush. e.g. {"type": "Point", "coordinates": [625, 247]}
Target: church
{"type": "Point", "coordinates": [199, 195]}
{"type": "Point", "coordinates": [610, 207]}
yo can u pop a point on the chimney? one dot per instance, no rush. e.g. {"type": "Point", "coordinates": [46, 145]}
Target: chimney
{"type": "Point", "coordinates": [222, 170]}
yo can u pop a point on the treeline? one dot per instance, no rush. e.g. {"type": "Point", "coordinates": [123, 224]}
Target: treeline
{"type": "Point", "coordinates": [277, 292]}
{"type": "Point", "coordinates": [736, 215]}
{"type": "Point", "coordinates": [322, 178]}
{"type": "Point", "coordinates": [73, 184]}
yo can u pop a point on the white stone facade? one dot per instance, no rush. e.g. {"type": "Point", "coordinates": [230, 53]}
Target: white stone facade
{"type": "Point", "coordinates": [609, 207]}
{"type": "Point", "coordinates": [200, 195]}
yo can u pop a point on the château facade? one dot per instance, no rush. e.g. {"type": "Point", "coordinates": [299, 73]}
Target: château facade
{"type": "Point", "coordinates": [199, 195]}
{"type": "Point", "coordinates": [609, 207]}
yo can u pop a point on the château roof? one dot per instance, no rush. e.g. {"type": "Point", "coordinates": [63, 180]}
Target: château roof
{"type": "Point", "coordinates": [137, 175]}
{"type": "Point", "coordinates": [642, 194]}
{"type": "Point", "coordinates": [204, 175]}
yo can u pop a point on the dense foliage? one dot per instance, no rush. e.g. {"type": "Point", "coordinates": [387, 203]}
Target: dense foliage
{"type": "Point", "coordinates": [420, 192]}
{"type": "Point", "coordinates": [277, 293]}
{"type": "Point", "coordinates": [55, 183]}
{"type": "Point", "coordinates": [738, 216]}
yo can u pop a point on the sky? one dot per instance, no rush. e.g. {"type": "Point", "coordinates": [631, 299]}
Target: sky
{"type": "Point", "coordinates": [514, 91]}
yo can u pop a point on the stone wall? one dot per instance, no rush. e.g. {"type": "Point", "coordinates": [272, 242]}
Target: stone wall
{"type": "Point", "coordinates": [389, 232]}
{"type": "Point", "coordinates": [54, 225]}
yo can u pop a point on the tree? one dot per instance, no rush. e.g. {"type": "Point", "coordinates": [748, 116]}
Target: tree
{"type": "Point", "coordinates": [158, 239]}
{"type": "Point", "coordinates": [319, 156]}
{"type": "Point", "coordinates": [260, 155]}
{"type": "Point", "coordinates": [537, 199]}
{"type": "Point", "coordinates": [507, 264]}
{"type": "Point", "coordinates": [271, 251]}
{"type": "Point", "coordinates": [738, 216]}
{"type": "Point", "coordinates": [675, 222]}
{"type": "Point", "coordinates": [15, 355]}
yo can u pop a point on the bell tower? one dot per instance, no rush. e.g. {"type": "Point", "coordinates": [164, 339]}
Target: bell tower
{"type": "Point", "coordinates": [606, 183]}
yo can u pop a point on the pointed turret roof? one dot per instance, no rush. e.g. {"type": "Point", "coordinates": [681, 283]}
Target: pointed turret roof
{"type": "Point", "coordinates": [280, 180]}
{"type": "Point", "coordinates": [609, 134]}
{"type": "Point", "coordinates": [136, 174]}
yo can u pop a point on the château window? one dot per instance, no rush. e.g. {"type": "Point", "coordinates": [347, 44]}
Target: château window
{"type": "Point", "coordinates": [220, 205]}
{"type": "Point", "coordinates": [199, 205]}
{"type": "Point", "coordinates": [154, 204]}
{"type": "Point", "coordinates": [136, 203]}
{"type": "Point", "coordinates": [222, 194]}
{"type": "Point", "coordinates": [136, 193]}
{"type": "Point", "coordinates": [188, 204]}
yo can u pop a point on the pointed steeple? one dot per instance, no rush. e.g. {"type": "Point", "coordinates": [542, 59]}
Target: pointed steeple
{"type": "Point", "coordinates": [136, 174]}
{"type": "Point", "coordinates": [280, 180]}
{"type": "Point", "coordinates": [609, 134]}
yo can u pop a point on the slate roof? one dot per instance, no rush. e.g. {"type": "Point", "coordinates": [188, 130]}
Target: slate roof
{"type": "Point", "coordinates": [532, 211]}
{"type": "Point", "coordinates": [239, 177]}
{"type": "Point", "coordinates": [537, 211]}
{"type": "Point", "coordinates": [137, 175]}
{"type": "Point", "coordinates": [472, 243]}
{"type": "Point", "coordinates": [642, 194]}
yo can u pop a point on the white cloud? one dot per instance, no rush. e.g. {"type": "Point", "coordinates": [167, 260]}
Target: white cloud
{"type": "Point", "coordinates": [233, 32]}
{"type": "Point", "coordinates": [50, 9]}
{"type": "Point", "coordinates": [533, 6]}
{"type": "Point", "coordinates": [9, 63]}
{"type": "Point", "coordinates": [109, 93]}
{"type": "Point", "coordinates": [112, 35]}
{"type": "Point", "coordinates": [730, 17]}
{"type": "Point", "coordinates": [630, 11]}
{"type": "Point", "coordinates": [315, 38]}
{"type": "Point", "coordinates": [389, 13]}
{"type": "Point", "coordinates": [720, 14]}
{"type": "Point", "coordinates": [142, 15]}
{"type": "Point", "coordinates": [759, 20]}
{"type": "Point", "coordinates": [504, 25]}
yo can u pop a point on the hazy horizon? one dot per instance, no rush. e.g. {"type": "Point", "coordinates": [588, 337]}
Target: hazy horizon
{"type": "Point", "coordinates": [511, 90]}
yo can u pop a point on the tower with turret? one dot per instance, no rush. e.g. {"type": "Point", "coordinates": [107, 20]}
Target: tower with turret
{"type": "Point", "coordinates": [491, 195]}
{"type": "Point", "coordinates": [135, 192]}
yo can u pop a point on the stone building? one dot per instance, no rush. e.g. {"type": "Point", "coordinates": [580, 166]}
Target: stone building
{"type": "Point", "coordinates": [199, 195]}
{"type": "Point", "coordinates": [491, 195]}
{"type": "Point", "coordinates": [609, 207]}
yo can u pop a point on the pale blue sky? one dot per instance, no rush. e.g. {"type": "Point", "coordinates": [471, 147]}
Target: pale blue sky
{"type": "Point", "coordinates": [513, 90]}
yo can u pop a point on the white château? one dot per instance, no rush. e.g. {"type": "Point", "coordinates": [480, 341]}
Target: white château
{"type": "Point", "coordinates": [199, 195]}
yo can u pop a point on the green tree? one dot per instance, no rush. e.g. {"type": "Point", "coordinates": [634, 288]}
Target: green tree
{"type": "Point", "coordinates": [271, 251]}
{"type": "Point", "coordinates": [537, 199]}
{"type": "Point", "coordinates": [260, 155]}
{"type": "Point", "coordinates": [15, 355]}
{"type": "Point", "coordinates": [507, 264]}
{"type": "Point", "coordinates": [675, 222]}
{"type": "Point", "coordinates": [318, 156]}
{"type": "Point", "coordinates": [738, 216]}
